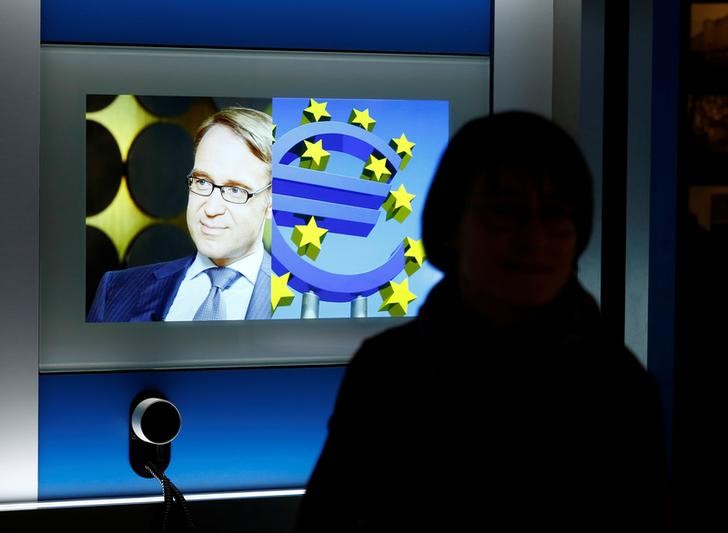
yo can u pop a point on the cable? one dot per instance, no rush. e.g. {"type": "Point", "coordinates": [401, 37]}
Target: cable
{"type": "Point", "coordinates": [185, 508]}
{"type": "Point", "coordinates": [170, 491]}
{"type": "Point", "coordinates": [166, 493]}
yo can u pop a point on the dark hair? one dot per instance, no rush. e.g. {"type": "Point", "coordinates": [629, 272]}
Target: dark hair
{"type": "Point", "coordinates": [487, 147]}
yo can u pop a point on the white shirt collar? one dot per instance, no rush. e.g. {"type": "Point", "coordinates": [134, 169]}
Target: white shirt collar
{"type": "Point", "coordinates": [248, 266]}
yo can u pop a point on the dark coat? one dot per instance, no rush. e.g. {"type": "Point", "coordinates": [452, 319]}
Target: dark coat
{"type": "Point", "coordinates": [450, 424]}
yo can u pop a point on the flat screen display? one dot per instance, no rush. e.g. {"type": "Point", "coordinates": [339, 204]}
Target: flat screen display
{"type": "Point", "coordinates": [340, 239]}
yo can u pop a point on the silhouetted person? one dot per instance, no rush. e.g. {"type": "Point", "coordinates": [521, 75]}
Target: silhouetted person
{"type": "Point", "coordinates": [502, 406]}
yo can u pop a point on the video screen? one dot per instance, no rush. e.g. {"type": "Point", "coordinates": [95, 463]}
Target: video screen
{"type": "Point", "coordinates": [206, 209]}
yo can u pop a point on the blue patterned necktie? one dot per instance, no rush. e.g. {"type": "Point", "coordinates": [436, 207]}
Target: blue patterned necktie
{"type": "Point", "coordinates": [213, 308]}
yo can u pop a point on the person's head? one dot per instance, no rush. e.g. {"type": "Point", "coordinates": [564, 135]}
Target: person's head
{"type": "Point", "coordinates": [233, 150]}
{"type": "Point", "coordinates": [509, 212]}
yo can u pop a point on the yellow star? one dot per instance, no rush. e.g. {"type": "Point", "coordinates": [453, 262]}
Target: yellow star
{"type": "Point", "coordinates": [315, 112]}
{"type": "Point", "coordinates": [362, 119]}
{"type": "Point", "coordinates": [280, 294]}
{"type": "Point", "coordinates": [314, 156]}
{"type": "Point", "coordinates": [376, 169]}
{"type": "Point", "coordinates": [398, 204]}
{"type": "Point", "coordinates": [414, 255]}
{"type": "Point", "coordinates": [308, 238]}
{"type": "Point", "coordinates": [396, 297]}
{"type": "Point", "coordinates": [403, 147]}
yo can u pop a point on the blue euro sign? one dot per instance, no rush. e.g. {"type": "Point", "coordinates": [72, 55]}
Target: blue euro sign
{"type": "Point", "coordinates": [341, 204]}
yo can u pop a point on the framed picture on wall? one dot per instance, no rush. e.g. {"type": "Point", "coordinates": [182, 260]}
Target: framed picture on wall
{"type": "Point", "coordinates": [706, 136]}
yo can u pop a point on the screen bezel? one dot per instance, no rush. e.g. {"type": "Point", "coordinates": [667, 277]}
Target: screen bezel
{"type": "Point", "coordinates": [69, 73]}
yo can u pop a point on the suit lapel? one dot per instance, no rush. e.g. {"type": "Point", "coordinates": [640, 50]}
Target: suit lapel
{"type": "Point", "coordinates": [157, 296]}
{"type": "Point", "coordinates": [259, 306]}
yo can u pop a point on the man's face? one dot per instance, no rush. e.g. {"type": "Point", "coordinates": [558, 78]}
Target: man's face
{"type": "Point", "coordinates": [221, 230]}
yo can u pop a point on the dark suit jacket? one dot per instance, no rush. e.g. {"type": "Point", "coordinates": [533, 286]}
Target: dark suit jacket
{"type": "Point", "coordinates": [145, 293]}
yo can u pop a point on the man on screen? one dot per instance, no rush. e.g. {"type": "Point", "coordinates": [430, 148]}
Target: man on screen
{"type": "Point", "coordinates": [228, 204]}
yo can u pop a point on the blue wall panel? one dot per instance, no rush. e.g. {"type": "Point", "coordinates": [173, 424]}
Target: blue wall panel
{"type": "Point", "coordinates": [246, 428]}
{"type": "Point", "coordinates": [241, 429]}
{"type": "Point", "coordinates": [458, 27]}
{"type": "Point", "coordinates": [666, 112]}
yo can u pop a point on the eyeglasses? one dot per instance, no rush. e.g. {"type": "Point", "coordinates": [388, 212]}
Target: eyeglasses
{"type": "Point", "coordinates": [229, 193]}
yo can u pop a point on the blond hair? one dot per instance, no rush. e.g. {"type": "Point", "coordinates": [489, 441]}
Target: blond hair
{"type": "Point", "coordinates": [252, 126]}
